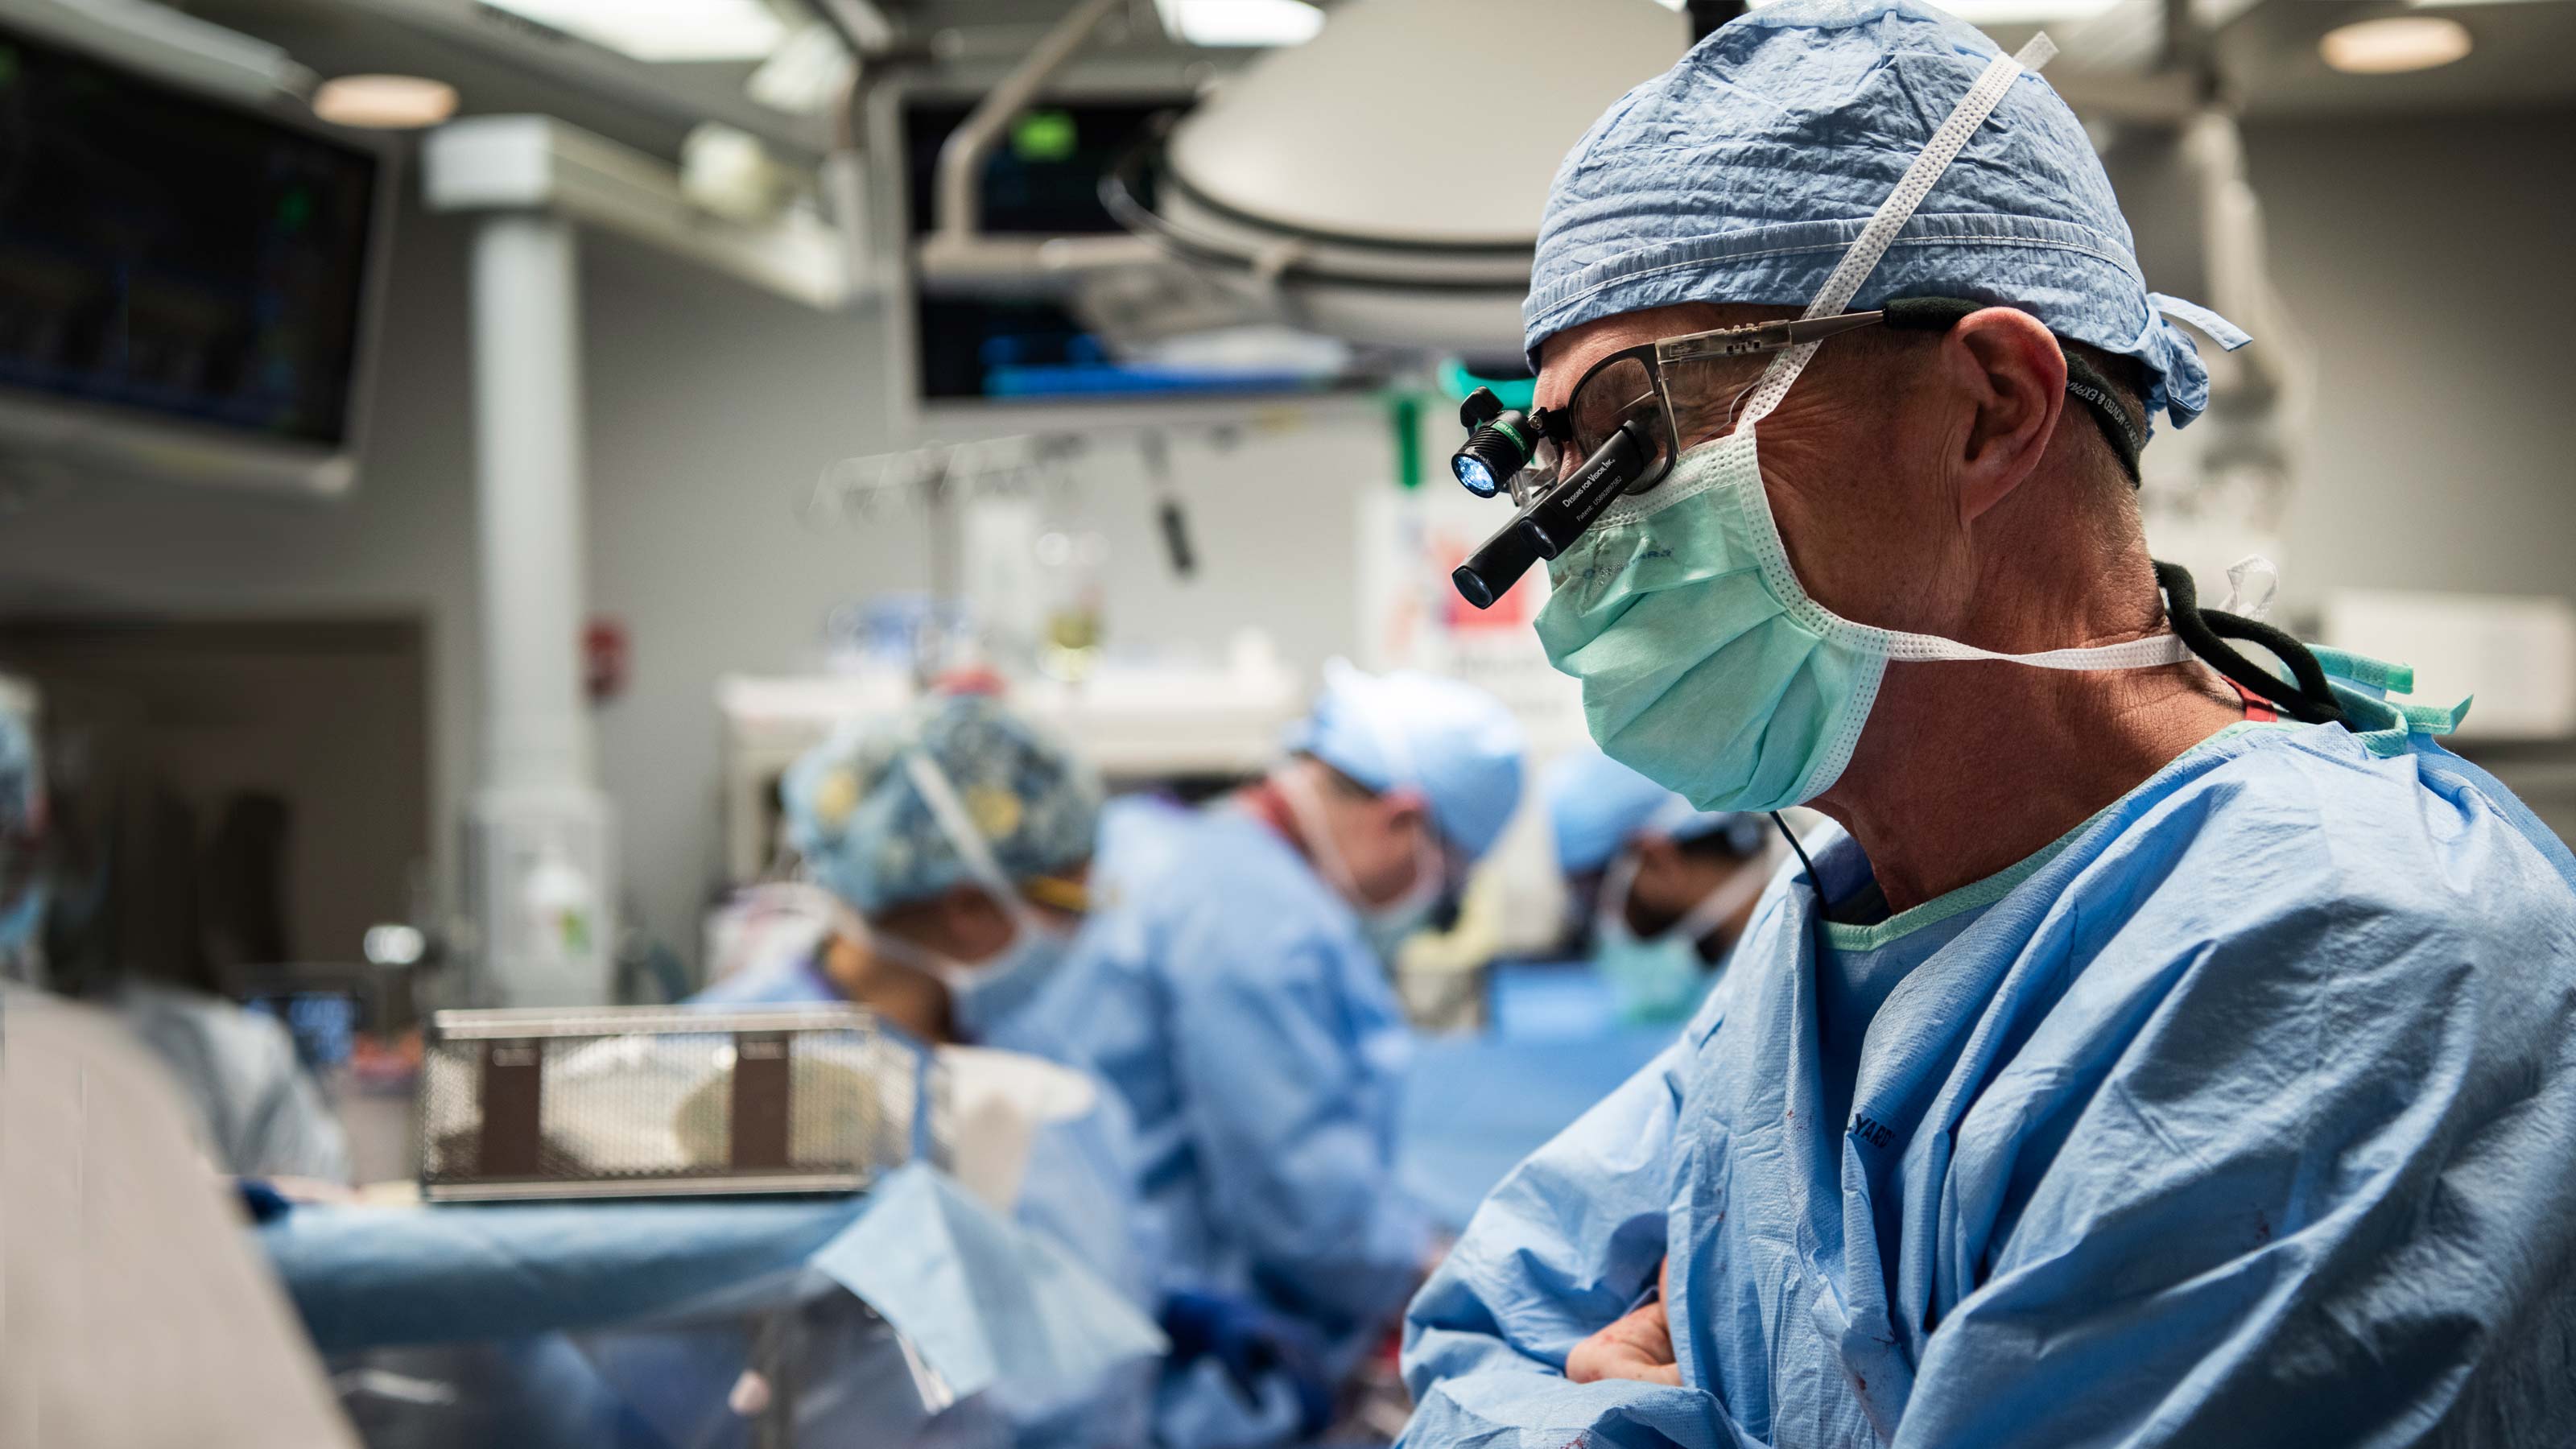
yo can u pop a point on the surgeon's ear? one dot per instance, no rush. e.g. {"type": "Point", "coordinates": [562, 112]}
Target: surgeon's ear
{"type": "Point", "coordinates": [2013, 375]}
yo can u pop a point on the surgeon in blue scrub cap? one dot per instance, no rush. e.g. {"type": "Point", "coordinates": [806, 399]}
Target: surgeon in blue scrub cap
{"type": "Point", "coordinates": [1659, 891]}
{"type": "Point", "coordinates": [1238, 998]}
{"type": "Point", "coordinates": [951, 844]}
{"type": "Point", "coordinates": [2174, 1044]}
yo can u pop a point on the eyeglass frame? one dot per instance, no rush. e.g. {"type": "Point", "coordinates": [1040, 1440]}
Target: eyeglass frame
{"type": "Point", "coordinates": [2085, 383]}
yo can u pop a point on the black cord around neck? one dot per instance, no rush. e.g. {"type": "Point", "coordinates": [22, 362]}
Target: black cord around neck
{"type": "Point", "coordinates": [2310, 700]}
{"type": "Point", "coordinates": [1814, 882]}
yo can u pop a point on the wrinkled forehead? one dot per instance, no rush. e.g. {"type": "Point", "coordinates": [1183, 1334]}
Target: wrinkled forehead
{"type": "Point", "coordinates": [1565, 357]}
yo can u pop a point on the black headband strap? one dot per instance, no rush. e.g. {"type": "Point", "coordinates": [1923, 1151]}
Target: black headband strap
{"type": "Point", "coordinates": [2084, 382]}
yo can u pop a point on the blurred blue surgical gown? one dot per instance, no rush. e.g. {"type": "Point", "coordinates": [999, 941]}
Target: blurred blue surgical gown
{"type": "Point", "coordinates": [1077, 1190]}
{"type": "Point", "coordinates": [2244, 1114]}
{"type": "Point", "coordinates": [1233, 1001]}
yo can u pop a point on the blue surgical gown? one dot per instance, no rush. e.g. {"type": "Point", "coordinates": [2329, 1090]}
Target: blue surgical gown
{"type": "Point", "coordinates": [1233, 1001]}
{"type": "Point", "coordinates": [2244, 1114]}
{"type": "Point", "coordinates": [1077, 1189]}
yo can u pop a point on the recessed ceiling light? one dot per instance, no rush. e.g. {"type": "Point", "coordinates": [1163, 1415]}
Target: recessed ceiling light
{"type": "Point", "coordinates": [1241, 22]}
{"type": "Point", "coordinates": [2394, 43]}
{"type": "Point", "coordinates": [384, 102]}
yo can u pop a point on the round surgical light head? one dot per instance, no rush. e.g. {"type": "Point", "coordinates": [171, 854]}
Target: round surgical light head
{"type": "Point", "coordinates": [1241, 22]}
{"type": "Point", "coordinates": [2394, 44]}
{"type": "Point", "coordinates": [384, 102]}
{"type": "Point", "coordinates": [1478, 478]}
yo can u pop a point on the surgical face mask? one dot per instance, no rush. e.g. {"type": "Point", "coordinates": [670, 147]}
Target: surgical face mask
{"type": "Point", "coordinates": [984, 994]}
{"type": "Point", "coordinates": [1706, 667]}
{"type": "Point", "coordinates": [1661, 977]}
{"type": "Point", "coordinates": [1388, 926]}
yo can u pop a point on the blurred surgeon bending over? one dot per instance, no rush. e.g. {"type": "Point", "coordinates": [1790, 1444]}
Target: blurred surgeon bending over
{"type": "Point", "coordinates": [1659, 889]}
{"type": "Point", "coordinates": [2169, 1048]}
{"type": "Point", "coordinates": [1239, 999]}
{"type": "Point", "coordinates": [953, 842]}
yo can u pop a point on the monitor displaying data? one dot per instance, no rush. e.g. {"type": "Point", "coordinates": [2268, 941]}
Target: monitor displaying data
{"type": "Point", "coordinates": [1044, 180]}
{"type": "Point", "coordinates": [175, 256]}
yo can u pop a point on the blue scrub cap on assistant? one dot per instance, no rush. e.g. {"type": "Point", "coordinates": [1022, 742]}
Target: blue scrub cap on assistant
{"type": "Point", "coordinates": [864, 830]}
{"type": "Point", "coordinates": [1743, 174]}
{"type": "Point", "coordinates": [1454, 742]}
{"type": "Point", "coordinates": [1595, 806]}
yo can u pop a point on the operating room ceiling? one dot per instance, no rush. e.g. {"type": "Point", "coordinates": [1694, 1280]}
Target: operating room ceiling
{"type": "Point", "coordinates": [2265, 55]}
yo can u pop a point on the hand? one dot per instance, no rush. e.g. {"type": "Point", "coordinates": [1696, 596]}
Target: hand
{"type": "Point", "coordinates": [1639, 1347]}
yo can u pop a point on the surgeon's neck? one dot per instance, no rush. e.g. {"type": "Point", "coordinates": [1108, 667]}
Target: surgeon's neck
{"type": "Point", "coordinates": [1966, 769]}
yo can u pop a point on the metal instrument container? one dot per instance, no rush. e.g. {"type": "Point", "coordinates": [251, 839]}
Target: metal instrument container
{"type": "Point", "coordinates": [661, 1101]}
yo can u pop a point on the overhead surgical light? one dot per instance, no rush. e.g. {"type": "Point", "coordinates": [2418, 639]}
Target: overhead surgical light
{"type": "Point", "coordinates": [662, 30]}
{"type": "Point", "coordinates": [1240, 22]}
{"type": "Point", "coordinates": [384, 102]}
{"type": "Point", "coordinates": [1404, 213]}
{"type": "Point", "coordinates": [2394, 44]}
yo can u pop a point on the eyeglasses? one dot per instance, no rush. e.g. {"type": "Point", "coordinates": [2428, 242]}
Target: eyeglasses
{"type": "Point", "coordinates": [1620, 427]}
{"type": "Point", "coordinates": [1639, 384]}
{"type": "Point", "coordinates": [1533, 453]}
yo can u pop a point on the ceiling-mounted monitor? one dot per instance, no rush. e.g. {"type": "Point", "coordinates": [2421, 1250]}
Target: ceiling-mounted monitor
{"type": "Point", "coordinates": [186, 284]}
{"type": "Point", "coordinates": [1029, 344]}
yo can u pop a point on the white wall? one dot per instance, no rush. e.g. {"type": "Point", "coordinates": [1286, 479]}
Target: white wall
{"type": "Point", "coordinates": [2424, 256]}
{"type": "Point", "coordinates": [713, 409]}
{"type": "Point", "coordinates": [2428, 259]}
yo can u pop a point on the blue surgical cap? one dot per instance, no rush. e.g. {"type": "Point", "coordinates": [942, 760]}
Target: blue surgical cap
{"type": "Point", "coordinates": [1453, 742]}
{"type": "Point", "coordinates": [1743, 174]}
{"type": "Point", "coordinates": [1595, 806]}
{"type": "Point", "coordinates": [859, 821]}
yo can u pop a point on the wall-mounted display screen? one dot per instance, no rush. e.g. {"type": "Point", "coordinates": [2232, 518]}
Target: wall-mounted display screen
{"type": "Point", "coordinates": [170, 254]}
{"type": "Point", "coordinates": [1044, 180]}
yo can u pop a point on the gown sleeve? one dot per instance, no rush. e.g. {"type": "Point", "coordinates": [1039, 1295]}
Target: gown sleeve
{"type": "Point", "coordinates": [1566, 1245]}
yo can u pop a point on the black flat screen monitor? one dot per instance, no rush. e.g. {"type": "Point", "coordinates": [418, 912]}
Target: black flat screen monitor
{"type": "Point", "coordinates": [168, 255]}
{"type": "Point", "coordinates": [1044, 180]}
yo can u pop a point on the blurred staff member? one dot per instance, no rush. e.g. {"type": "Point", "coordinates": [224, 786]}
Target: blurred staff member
{"type": "Point", "coordinates": [22, 828]}
{"type": "Point", "coordinates": [1665, 888]}
{"type": "Point", "coordinates": [263, 1114]}
{"type": "Point", "coordinates": [259, 1113]}
{"type": "Point", "coordinates": [1239, 998]}
{"type": "Point", "coordinates": [954, 841]}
